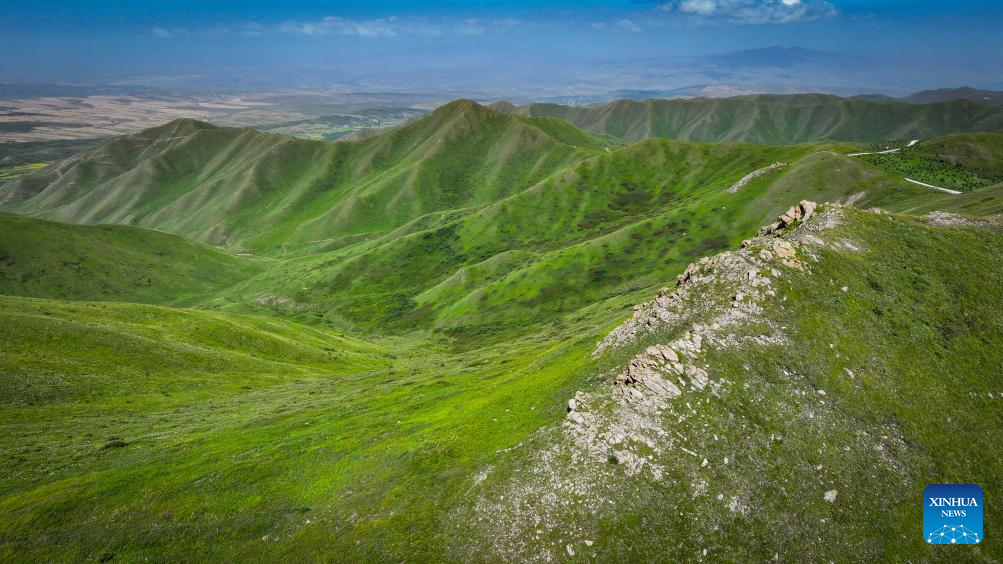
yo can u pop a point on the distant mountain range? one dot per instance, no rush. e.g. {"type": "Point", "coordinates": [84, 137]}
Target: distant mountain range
{"type": "Point", "coordinates": [733, 90]}
{"type": "Point", "coordinates": [795, 118]}
{"type": "Point", "coordinates": [948, 94]}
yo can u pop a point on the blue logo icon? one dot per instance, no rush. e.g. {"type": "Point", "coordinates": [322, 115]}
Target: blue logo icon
{"type": "Point", "coordinates": [952, 514]}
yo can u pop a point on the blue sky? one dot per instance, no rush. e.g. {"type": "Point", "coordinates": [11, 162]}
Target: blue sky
{"type": "Point", "coordinates": [295, 43]}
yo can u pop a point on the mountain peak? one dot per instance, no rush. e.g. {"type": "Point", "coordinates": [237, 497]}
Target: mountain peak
{"type": "Point", "coordinates": [179, 127]}
{"type": "Point", "coordinates": [461, 106]}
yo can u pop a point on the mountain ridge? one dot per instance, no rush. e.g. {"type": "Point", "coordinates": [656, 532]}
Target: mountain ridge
{"type": "Point", "coordinates": [242, 184]}
{"type": "Point", "coordinates": [446, 224]}
{"type": "Point", "coordinates": [774, 119]}
{"type": "Point", "coordinates": [408, 367]}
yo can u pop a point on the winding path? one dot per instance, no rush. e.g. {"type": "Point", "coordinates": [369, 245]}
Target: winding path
{"type": "Point", "coordinates": [917, 182]}
{"type": "Point", "coordinates": [887, 152]}
{"type": "Point", "coordinates": [955, 192]}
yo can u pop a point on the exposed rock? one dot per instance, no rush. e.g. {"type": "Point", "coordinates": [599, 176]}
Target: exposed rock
{"type": "Point", "coordinates": [282, 303]}
{"type": "Point", "coordinates": [745, 180]}
{"type": "Point", "coordinates": [830, 496]}
{"type": "Point", "coordinates": [627, 430]}
{"type": "Point", "coordinates": [784, 249]}
{"type": "Point", "coordinates": [945, 219]}
{"type": "Point", "coordinates": [801, 212]}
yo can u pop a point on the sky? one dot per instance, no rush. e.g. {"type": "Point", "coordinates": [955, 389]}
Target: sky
{"type": "Point", "coordinates": [556, 46]}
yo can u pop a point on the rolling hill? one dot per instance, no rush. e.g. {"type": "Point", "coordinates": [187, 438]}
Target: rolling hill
{"type": "Point", "coordinates": [964, 162]}
{"type": "Point", "coordinates": [795, 118]}
{"type": "Point", "coordinates": [375, 361]}
{"type": "Point", "coordinates": [470, 242]}
{"type": "Point", "coordinates": [964, 93]}
{"type": "Point", "coordinates": [241, 188]}
{"type": "Point", "coordinates": [226, 436]}
{"type": "Point", "coordinates": [45, 259]}
{"type": "Point", "coordinates": [775, 405]}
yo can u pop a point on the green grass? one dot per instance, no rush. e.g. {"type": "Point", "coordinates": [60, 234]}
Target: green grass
{"type": "Point", "coordinates": [794, 118]}
{"type": "Point", "coordinates": [964, 162]}
{"type": "Point", "coordinates": [45, 259]}
{"type": "Point", "coordinates": [246, 428]}
{"type": "Point", "coordinates": [9, 173]}
{"type": "Point", "coordinates": [417, 310]}
{"type": "Point", "coordinates": [906, 359]}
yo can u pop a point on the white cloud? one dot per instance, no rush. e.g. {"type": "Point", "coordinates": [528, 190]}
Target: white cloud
{"type": "Point", "coordinates": [332, 25]}
{"type": "Point", "coordinates": [746, 12]}
{"type": "Point", "coordinates": [470, 26]}
{"type": "Point", "coordinates": [700, 7]}
{"type": "Point", "coordinates": [161, 33]}
{"type": "Point", "coordinates": [628, 25]}
{"type": "Point", "coordinates": [393, 26]}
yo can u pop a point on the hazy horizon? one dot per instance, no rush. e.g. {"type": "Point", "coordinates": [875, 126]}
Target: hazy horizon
{"type": "Point", "coordinates": [506, 48]}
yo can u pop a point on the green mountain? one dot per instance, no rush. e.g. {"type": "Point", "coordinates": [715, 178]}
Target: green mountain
{"type": "Point", "coordinates": [44, 259]}
{"type": "Point", "coordinates": [963, 162]}
{"type": "Point", "coordinates": [375, 360]}
{"type": "Point", "coordinates": [795, 118]}
{"type": "Point", "coordinates": [975, 151]}
{"type": "Point", "coordinates": [241, 188]}
{"type": "Point", "coordinates": [227, 436]}
{"type": "Point", "coordinates": [490, 234]}
{"type": "Point", "coordinates": [775, 405]}
{"type": "Point", "coordinates": [964, 93]}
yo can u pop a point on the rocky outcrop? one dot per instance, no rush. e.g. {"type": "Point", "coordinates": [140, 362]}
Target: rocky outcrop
{"type": "Point", "coordinates": [745, 180]}
{"type": "Point", "coordinates": [748, 271]}
{"type": "Point", "coordinates": [628, 428]}
{"type": "Point", "coordinates": [944, 219]}
{"type": "Point", "coordinates": [800, 212]}
{"type": "Point", "coordinates": [714, 298]}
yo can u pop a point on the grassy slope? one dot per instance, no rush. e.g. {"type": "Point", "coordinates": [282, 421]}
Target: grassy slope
{"type": "Point", "coordinates": [270, 192]}
{"type": "Point", "coordinates": [977, 151]}
{"type": "Point", "coordinates": [250, 437]}
{"type": "Point", "coordinates": [519, 246]}
{"type": "Point", "coordinates": [907, 359]}
{"type": "Point", "coordinates": [587, 234]}
{"type": "Point", "coordinates": [614, 224]}
{"type": "Point", "coordinates": [963, 162]}
{"type": "Point", "coordinates": [45, 259]}
{"type": "Point", "coordinates": [797, 118]}
{"type": "Point", "coordinates": [247, 437]}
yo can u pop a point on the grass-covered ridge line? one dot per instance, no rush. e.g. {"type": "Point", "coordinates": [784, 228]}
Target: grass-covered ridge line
{"type": "Point", "coordinates": [45, 259]}
{"type": "Point", "coordinates": [273, 193]}
{"type": "Point", "coordinates": [793, 118]}
{"type": "Point", "coordinates": [828, 389]}
{"type": "Point", "coordinates": [417, 309]}
{"type": "Point", "coordinates": [446, 224]}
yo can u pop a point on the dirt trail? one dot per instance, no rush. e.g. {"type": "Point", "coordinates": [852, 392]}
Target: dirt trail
{"type": "Point", "coordinates": [917, 182]}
